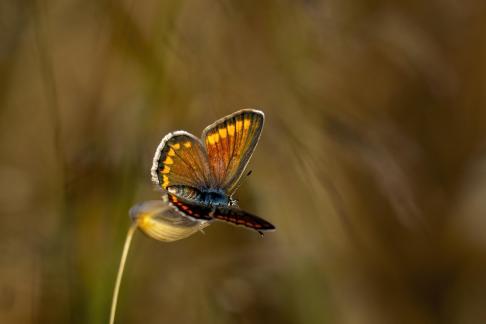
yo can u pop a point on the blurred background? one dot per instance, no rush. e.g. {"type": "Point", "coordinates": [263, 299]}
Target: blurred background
{"type": "Point", "coordinates": [372, 162]}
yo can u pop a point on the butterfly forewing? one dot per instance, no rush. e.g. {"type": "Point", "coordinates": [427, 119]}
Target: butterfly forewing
{"type": "Point", "coordinates": [230, 142]}
{"type": "Point", "coordinates": [180, 160]}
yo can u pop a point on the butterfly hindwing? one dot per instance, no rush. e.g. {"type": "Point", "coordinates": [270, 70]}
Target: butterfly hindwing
{"type": "Point", "coordinates": [240, 217]}
{"type": "Point", "coordinates": [228, 214]}
{"type": "Point", "coordinates": [190, 208]}
{"type": "Point", "coordinates": [230, 142]}
{"type": "Point", "coordinates": [180, 159]}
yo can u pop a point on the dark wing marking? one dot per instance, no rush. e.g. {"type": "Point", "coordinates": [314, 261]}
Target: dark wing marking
{"type": "Point", "coordinates": [190, 208]}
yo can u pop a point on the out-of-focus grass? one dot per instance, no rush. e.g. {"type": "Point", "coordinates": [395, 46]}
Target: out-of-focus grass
{"type": "Point", "coordinates": [371, 163]}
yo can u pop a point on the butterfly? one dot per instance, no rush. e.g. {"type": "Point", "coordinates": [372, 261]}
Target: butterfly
{"type": "Point", "coordinates": [200, 176]}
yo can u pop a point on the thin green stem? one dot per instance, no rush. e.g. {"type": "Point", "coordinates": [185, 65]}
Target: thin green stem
{"type": "Point", "coordinates": [121, 268]}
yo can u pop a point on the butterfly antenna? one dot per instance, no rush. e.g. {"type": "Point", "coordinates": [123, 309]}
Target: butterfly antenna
{"type": "Point", "coordinates": [241, 182]}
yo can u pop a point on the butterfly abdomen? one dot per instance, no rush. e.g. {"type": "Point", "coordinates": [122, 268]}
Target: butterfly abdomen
{"type": "Point", "coordinates": [186, 192]}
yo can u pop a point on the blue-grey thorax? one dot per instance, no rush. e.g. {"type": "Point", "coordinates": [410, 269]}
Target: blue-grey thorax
{"type": "Point", "coordinates": [214, 198]}
{"type": "Point", "coordinates": [205, 196]}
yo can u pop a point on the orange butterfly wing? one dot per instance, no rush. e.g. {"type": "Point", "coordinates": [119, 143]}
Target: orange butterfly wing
{"type": "Point", "coordinates": [181, 160]}
{"type": "Point", "coordinates": [230, 143]}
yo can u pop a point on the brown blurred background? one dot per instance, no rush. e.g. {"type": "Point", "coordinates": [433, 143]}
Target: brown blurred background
{"type": "Point", "coordinates": [372, 162]}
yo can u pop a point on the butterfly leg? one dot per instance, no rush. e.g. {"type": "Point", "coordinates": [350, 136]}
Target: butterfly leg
{"type": "Point", "coordinates": [233, 202]}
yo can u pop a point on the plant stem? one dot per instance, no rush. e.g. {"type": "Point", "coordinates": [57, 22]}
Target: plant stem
{"type": "Point", "coordinates": [121, 267]}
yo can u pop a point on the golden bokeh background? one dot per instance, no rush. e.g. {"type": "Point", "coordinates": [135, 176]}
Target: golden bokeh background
{"type": "Point", "coordinates": [372, 161]}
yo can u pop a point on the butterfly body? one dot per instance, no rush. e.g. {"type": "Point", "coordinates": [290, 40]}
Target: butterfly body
{"type": "Point", "coordinates": [205, 196]}
{"type": "Point", "coordinates": [200, 176]}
